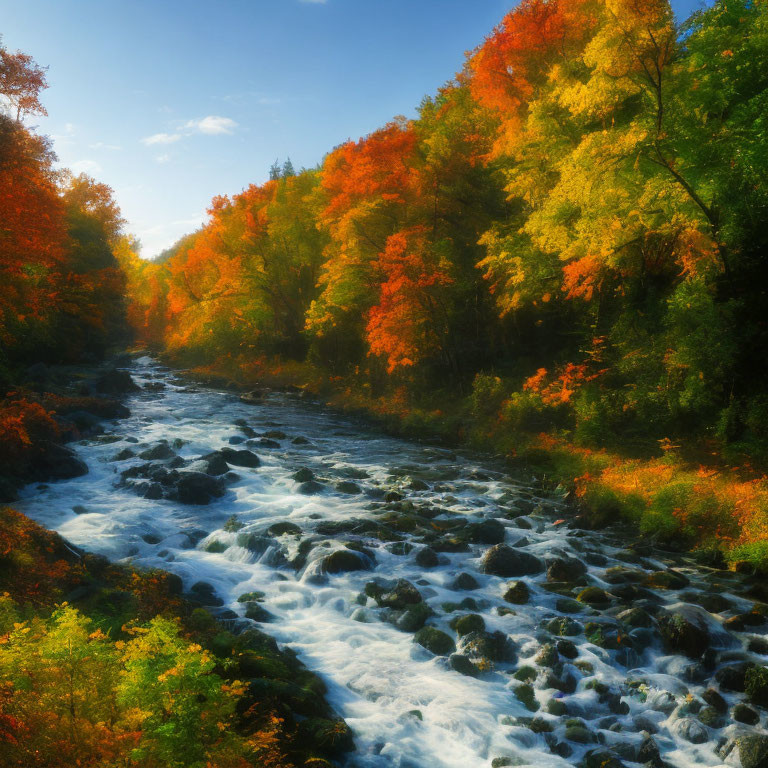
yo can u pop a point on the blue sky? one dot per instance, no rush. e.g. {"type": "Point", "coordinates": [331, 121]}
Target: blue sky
{"type": "Point", "coordinates": [171, 102]}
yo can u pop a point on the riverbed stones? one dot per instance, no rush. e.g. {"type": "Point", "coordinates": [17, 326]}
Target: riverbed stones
{"type": "Point", "coordinates": [756, 685]}
{"type": "Point", "coordinates": [240, 457]}
{"type": "Point", "coordinates": [635, 617]}
{"type": "Point", "coordinates": [435, 641]}
{"type": "Point", "coordinates": [682, 634]}
{"type": "Point", "coordinates": [669, 579]}
{"type": "Point", "coordinates": [527, 697]}
{"type": "Point", "coordinates": [310, 488]}
{"type": "Point", "coordinates": [427, 558]}
{"type": "Point", "coordinates": [204, 593]}
{"type": "Point", "coordinates": [487, 532]}
{"type": "Point", "coordinates": [123, 455]}
{"type": "Point", "coordinates": [470, 622]}
{"type": "Point", "coordinates": [399, 596]}
{"type": "Point", "coordinates": [750, 750]}
{"type": "Point", "coordinates": [503, 560]}
{"type": "Point", "coordinates": [211, 464]}
{"type": "Point", "coordinates": [462, 664]}
{"type": "Point", "coordinates": [690, 729]}
{"type": "Point", "coordinates": [464, 581]}
{"type": "Point", "coordinates": [595, 597]}
{"type": "Point", "coordinates": [197, 488]}
{"type": "Point", "coordinates": [742, 713]}
{"type": "Point", "coordinates": [566, 569]}
{"type": "Point", "coordinates": [487, 646]}
{"type": "Point", "coordinates": [344, 561]}
{"type": "Point", "coordinates": [517, 593]}
{"type": "Point", "coordinates": [348, 488]}
{"type": "Point", "coordinates": [160, 452]}
{"type": "Point", "coordinates": [412, 618]}
{"type": "Point", "coordinates": [284, 528]}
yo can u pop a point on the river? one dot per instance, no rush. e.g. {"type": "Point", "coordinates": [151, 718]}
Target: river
{"type": "Point", "coordinates": [587, 688]}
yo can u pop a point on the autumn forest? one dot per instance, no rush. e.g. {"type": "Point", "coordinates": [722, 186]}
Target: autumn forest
{"type": "Point", "coordinates": [560, 263]}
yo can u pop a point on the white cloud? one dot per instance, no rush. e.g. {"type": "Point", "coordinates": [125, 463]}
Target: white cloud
{"type": "Point", "coordinates": [85, 166]}
{"type": "Point", "coordinates": [102, 145]}
{"type": "Point", "coordinates": [212, 125]}
{"type": "Point", "coordinates": [161, 138]}
{"type": "Point", "coordinates": [162, 159]}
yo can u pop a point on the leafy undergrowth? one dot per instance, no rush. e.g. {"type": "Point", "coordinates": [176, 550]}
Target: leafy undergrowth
{"type": "Point", "coordinates": [718, 511]}
{"type": "Point", "coordinates": [102, 665]}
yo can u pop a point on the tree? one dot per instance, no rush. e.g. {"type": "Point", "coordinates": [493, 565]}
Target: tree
{"type": "Point", "coordinates": [21, 80]}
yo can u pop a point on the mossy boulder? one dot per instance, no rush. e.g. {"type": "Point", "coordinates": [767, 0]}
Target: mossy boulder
{"type": "Point", "coordinates": [517, 592]}
{"type": "Point", "coordinates": [683, 635]}
{"type": "Point", "coordinates": [435, 641]}
{"type": "Point", "coordinates": [503, 560]}
{"type": "Point", "coordinates": [470, 622]}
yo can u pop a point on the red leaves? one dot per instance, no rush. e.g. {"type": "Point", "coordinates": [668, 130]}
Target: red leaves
{"type": "Point", "coordinates": [403, 326]}
{"type": "Point", "coordinates": [377, 165]}
{"type": "Point", "coordinates": [517, 55]}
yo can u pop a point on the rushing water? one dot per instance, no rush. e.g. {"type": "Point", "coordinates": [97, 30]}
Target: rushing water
{"type": "Point", "coordinates": [376, 674]}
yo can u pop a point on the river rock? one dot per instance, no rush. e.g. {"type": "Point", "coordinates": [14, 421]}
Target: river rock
{"type": "Point", "coordinates": [58, 463]}
{"type": "Point", "coordinates": [742, 713]}
{"type": "Point", "coordinates": [333, 737]}
{"type": "Point", "coordinates": [412, 619]}
{"type": "Point", "coordinates": [568, 569]}
{"type": "Point", "coordinates": [491, 646]}
{"type": "Point", "coordinates": [756, 685]}
{"type": "Point", "coordinates": [435, 641]}
{"type": "Point", "coordinates": [691, 730]}
{"type": "Point", "coordinates": [684, 635]}
{"type": "Point", "coordinates": [348, 487]}
{"type": "Point", "coordinates": [470, 622]}
{"type": "Point", "coordinates": [205, 594]}
{"type": "Point", "coordinates": [487, 532]}
{"type": "Point", "coordinates": [310, 488]}
{"type": "Point", "coordinates": [402, 595]}
{"type": "Point", "coordinates": [749, 750]}
{"type": "Point", "coordinates": [160, 452]}
{"type": "Point", "coordinates": [240, 457]}
{"type": "Point", "coordinates": [211, 464]}
{"type": "Point", "coordinates": [666, 580]}
{"type": "Point", "coordinates": [517, 592]}
{"type": "Point", "coordinates": [197, 488]}
{"type": "Point", "coordinates": [254, 397]}
{"type": "Point", "coordinates": [715, 700]}
{"type": "Point", "coordinates": [123, 455]}
{"type": "Point", "coordinates": [284, 528]}
{"type": "Point", "coordinates": [464, 581]}
{"type": "Point", "coordinates": [115, 382]}
{"type": "Point", "coordinates": [427, 558]}
{"type": "Point", "coordinates": [503, 560]}
{"type": "Point", "coordinates": [635, 617]}
{"type": "Point", "coordinates": [345, 560]}
{"type": "Point", "coordinates": [463, 665]}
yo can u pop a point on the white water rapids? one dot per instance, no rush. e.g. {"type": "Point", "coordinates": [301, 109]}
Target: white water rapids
{"type": "Point", "coordinates": [376, 674]}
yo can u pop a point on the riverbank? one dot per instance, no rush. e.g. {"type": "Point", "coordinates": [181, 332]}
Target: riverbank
{"type": "Point", "coordinates": [717, 512]}
{"type": "Point", "coordinates": [56, 599]}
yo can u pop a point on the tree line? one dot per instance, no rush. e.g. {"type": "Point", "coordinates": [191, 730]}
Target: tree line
{"type": "Point", "coordinates": [574, 225]}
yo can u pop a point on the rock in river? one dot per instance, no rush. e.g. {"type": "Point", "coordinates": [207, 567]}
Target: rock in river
{"type": "Point", "coordinates": [503, 560]}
